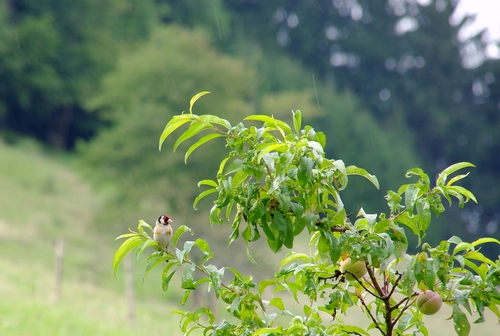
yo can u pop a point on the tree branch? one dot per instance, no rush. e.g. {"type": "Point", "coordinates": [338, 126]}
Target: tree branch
{"type": "Point", "coordinates": [371, 315]}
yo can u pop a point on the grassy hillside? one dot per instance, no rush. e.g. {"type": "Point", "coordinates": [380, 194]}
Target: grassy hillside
{"type": "Point", "coordinates": [43, 199]}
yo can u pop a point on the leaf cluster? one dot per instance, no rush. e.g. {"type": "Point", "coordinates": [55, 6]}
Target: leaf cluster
{"type": "Point", "coordinates": [275, 183]}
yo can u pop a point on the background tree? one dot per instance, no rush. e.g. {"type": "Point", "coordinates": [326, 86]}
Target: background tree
{"type": "Point", "coordinates": [405, 63]}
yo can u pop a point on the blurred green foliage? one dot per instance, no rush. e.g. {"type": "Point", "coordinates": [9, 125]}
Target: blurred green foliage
{"type": "Point", "coordinates": [72, 69]}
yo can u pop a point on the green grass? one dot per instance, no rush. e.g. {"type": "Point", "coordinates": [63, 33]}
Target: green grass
{"type": "Point", "coordinates": [42, 199]}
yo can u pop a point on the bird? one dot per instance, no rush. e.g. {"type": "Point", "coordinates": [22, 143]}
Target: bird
{"type": "Point", "coordinates": [163, 232]}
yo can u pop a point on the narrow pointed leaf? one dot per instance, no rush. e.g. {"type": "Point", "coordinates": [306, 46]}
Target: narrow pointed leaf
{"type": "Point", "coordinates": [216, 120]}
{"type": "Point", "coordinates": [125, 248]}
{"type": "Point", "coordinates": [195, 98]}
{"type": "Point", "coordinates": [152, 265]}
{"type": "Point", "coordinates": [485, 240]}
{"type": "Point", "coordinates": [464, 192]}
{"type": "Point", "coordinates": [461, 324]}
{"type": "Point", "coordinates": [200, 142]}
{"type": "Point", "coordinates": [457, 178]}
{"type": "Point", "coordinates": [173, 124]}
{"type": "Point", "coordinates": [202, 195]}
{"type": "Point", "coordinates": [187, 278]}
{"type": "Point", "coordinates": [141, 248]}
{"type": "Point", "coordinates": [297, 121]}
{"type": "Point", "coordinates": [443, 176]}
{"type": "Point", "coordinates": [268, 148]}
{"type": "Point", "coordinates": [178, 232]}
{"type": "Point", "coordinates": [270, 120]}
{"type": "Point", "coordinates": [353, 170]}
{"type": "Point", "coordinates": [215, 278]}
{"type": "Point", "coordinates": [211, 183]}
{"type": "Point", "coordinates": [167, 278]}
{"type": "Point", "coordinates": [193, 130]}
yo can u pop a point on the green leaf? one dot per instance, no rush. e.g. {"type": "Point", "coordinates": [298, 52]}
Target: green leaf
{"type": "Point", "coordinates": [173, 124]}
{"type": "Point", "coordinates": [443, 176]}
{"type": "Point", "coordinates": [237, 273]}
{"type": "Point", "coordinates": [185, 297]}
{"type": "Point", "coordinates": [168, 277]}
{"type": "Point", "coordinates": [289, 233]}
{"type": "Point", "coordinates": [202, 245]}
{"type": "Point", "coordinates": [200, 142]}
{"type": "Point", "coordinates": [263, 284]}
{"type": "Point", "coordinates": [125, 248]}
{"type": "Point", "coordinates": [304, 173]}
{"type": "Point", "coordinates": [195, 128]}
{"type": "Point", "coordinates": [383, 225]}
{"type": "Point", "coordinates": [178, 232]}
{"type": "Point", "coordinates": [291, 256]}
{"type": "Point", "coordinates": [236, 232]}
{"type": "Point", "coordinates": [239, 177]}
{"type": "Point", "coordinates": [353, 170]}
{"type": "Point", "coordinates": [495, 310]}
{"type": "Point", "coordinates": [270, 120]}
{"type": "Point", "coordinates": [222, 165]}
{"type": "Point", "coordinates": [297, 120]}
{"type": "Point", "coordinates": [430, 274]}
{"type": "Point", "coordinates": [485, 240]}
{"type": "Point", "coordinates": [247, 236]}
{"type": "Point", "coordinates": [210, 183]}
{"type": "Point", "coordinates": [267, 230]}
{"type": "Point", "coordinates": [410, 222]}
{"type": "Point", "coordinates": [187, 279]}
{"type": "Point", "coordinates": [461, 247]}
{"type": "Point", "coordinates": [332, 246]}
{"type": "Point", "coordinates": [188, 245]}
{"type": "Point", "coordinates": [126, 235]}
{"type": "Point", "coordinates": [423, 214]}
{"type": "Point", "coordinates": [479, 257]}
{"type": "Point", "coordinates": [215, 278]}
{"type": "Point", "coordinates": [215, 120]}
{"type": "Point", "coordinates": [202, 195]}
{"type": "Point", "coordinates": [143, 224]}
{"type": "Point", "coordinates": [457, 178]}
{"type": "Point", "coordinates": [461, 324]}
{"type": "Point", "coordinates": [411, 196]}
{"type": "Point", "coordinates": [320, 137]}
{"type": "Point", "coordinates": [277, 302]}
{"type": "Point", "coordinates": [455, 240]}
{"type": "Point", "coordinates": [152, 265]}
{"type": "Point", "coordinates": [269, 331]}
{"type": "Point", "coordinates": [354, 330]}
{"type": "Point", "coordinates": [462, 191]}
{"type": "Point", "coordinates": [266, 148]}
{"type": "Point", "coordinates": [141, 248]}
{"type": "Point", "coordinates": [195, 98]}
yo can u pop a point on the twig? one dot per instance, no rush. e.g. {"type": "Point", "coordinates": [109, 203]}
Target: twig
{"type": "Point", "coordinates": [381, 293]}
{"type": "Point", "coordinates": [364, 287]}
{"type": "Point", "coordinates": [395, 284]}
{"type": "Point", "coordinates": [408, 305]}
{"type": "Point", "coordinates": [371, 315]}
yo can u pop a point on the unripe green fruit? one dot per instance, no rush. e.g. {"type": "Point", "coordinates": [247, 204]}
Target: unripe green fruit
{"type": "Point", "coordinates": [429, 302]}
{"type": "Point", "coordinates": [358, 269]}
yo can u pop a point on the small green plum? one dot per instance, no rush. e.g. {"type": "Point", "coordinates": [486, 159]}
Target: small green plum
{"type": "Point", "coordinates": [429, 302]}
{"type": "Point", "coordinates": [357, 269]}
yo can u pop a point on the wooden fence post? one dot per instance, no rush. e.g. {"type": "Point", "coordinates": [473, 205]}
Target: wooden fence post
{"type": "Point", "coordinates": [58, 268]}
